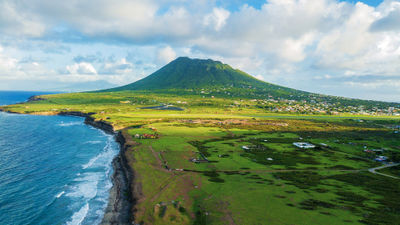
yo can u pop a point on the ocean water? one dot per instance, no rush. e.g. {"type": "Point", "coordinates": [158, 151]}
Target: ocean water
{"type": "Point", "coordinates": [53, 169]}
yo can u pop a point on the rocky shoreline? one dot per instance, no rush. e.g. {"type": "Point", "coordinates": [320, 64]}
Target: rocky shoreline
{"type": "Point", "coordinates": [121, 201]}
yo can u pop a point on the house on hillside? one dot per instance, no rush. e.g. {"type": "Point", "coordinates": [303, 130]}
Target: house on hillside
{"type": "Point", "coordinates": [381, 158]}
{"type": "Point", "coordinates": [304, 145]}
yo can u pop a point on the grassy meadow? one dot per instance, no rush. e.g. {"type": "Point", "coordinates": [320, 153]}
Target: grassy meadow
{"type": "Point", "coordinates": [227, 161]}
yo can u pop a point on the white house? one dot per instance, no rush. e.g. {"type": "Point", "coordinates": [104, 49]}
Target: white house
{"type": "Point", "coordinates": [245, 147]}
{"type": "Point", "coordinates": [304, 145]}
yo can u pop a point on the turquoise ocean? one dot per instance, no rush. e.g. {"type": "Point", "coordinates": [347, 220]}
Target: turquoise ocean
{"type": "Point", "coordinates": [53, 169]}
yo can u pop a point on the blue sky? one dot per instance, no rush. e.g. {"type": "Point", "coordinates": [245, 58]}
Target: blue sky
{"type": "Point", "coordinates": [234, 5]}
{"type": "Point", "coordinates": [346, 48]}
{"type": "Point", "coordinates": [368, 2]}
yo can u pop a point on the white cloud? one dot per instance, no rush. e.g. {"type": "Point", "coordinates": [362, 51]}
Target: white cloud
{"type": "Point", "coordinates": [165, 55]}
{"type": "Point", "coordinates": [281, 40]}
{"type": "Point", "coordinates": [376, 84]}
{"type": "Point", "coordinates": [351, 37]}
{"type": "Point", "coordinates": [121, 66]}
{"type": "Point", "coordinates": [82, 68]}
{"type": "Point", "coordinates": [217, 18]}
{"type": "Point", "coordinates": [389, 17]}
{"type": "Point", "coordinates": [352, 45]}
{"type": "Point", "coordinates": [16, 21]}
{"type": "Point", "coordinates": [7, 63]}
{"type": "Point", "coordinates": [293, 50]}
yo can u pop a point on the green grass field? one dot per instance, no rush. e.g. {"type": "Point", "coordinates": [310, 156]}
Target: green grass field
{"type": "Point", "coordinates": [318, 186]}
{"type": "Point", "coordinates": [248, 170]}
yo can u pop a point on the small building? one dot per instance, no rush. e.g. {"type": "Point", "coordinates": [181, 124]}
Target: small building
{"type": "Point", "coordinates": [381, 158]}
{"type": "Point", "coordinates": [324, 145]}
{"type": "Point", "coordinates": [304, 145]}
{"type": "Point", "coordinates": [198, 160]}
{"type": "Point", "coordinates": [245, 148]}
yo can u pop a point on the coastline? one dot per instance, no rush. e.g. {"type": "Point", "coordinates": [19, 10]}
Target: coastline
{"type": "Point", "coordinates": [121, 200]}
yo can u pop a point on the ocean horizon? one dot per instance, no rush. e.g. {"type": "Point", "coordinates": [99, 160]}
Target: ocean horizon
{"type": "Point", "coordinates": [53, 169]}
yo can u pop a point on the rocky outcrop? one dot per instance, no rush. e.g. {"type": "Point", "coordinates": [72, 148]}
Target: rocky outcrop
{"type": "Point", "coordinates": [100, 124]}
{"type": "Point", "coordinates": [35, 98]}
{"type": "Point", "coordinates": [121, 201]}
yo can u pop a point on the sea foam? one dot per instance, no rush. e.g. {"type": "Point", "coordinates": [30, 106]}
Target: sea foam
{"type": "Point", "coordinates": [60, 194]}
{"type": "Point", "coordinates": [62, 124]}
{"type": "Point", "coordinates": [93, 142]}
{"type": "Point", "coordinates": [103, 157]}
{"type": "Point", "coordinates": [78, 217]}
{"type": "Point", "coordinates": [68, 170]}
{"type": "Point", "coordinates": [92, 184]}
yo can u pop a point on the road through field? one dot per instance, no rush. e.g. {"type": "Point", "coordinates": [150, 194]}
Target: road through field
{"type": "Point", "coordinates": [373, 170]}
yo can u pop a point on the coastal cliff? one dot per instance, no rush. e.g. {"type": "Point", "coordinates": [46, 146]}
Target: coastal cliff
{"type": "Point", "coordinates": [100, 124]}
{"type": "Point", "coordinates": [121, 200]}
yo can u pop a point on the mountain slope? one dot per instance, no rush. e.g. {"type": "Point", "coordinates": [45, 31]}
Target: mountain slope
{"type": "Point", "coordinates": [184, 73]}
{"type": "Point", "coordinates": [208, 77]}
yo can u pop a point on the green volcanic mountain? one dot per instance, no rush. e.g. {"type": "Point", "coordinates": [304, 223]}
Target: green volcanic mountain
{"type": "Point", "coordinates": [183, 73]}
{"type": "Point", "coordinates": [209, 77]}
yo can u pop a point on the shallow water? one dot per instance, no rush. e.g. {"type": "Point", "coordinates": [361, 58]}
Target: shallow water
{"type": "Point", "coordinates": [53, 169]}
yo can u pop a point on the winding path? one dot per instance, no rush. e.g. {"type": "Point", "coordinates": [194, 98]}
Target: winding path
{"type": "Point", "coordinates": [373, 170]}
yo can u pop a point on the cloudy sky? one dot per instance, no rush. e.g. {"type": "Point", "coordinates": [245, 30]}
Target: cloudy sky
{"type": "Point", "coordinates": [347, 48]}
